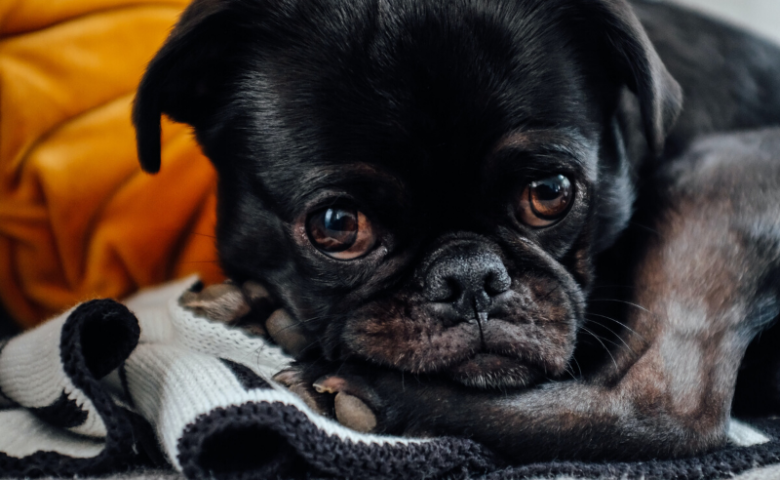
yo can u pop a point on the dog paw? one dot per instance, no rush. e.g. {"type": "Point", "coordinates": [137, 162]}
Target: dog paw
{"type": "Point", "coordinates": [287, 332]}
{"type": "Point", "coordinates": [264, 318]}
{"type": "Point", "coordinates": [345, 396]}
{"type": "Point", "coordinates": [293, 379]}
{"type": "Point", "coordinates": [349, 406]}
{"type": "Point", "coordinates": [249, 307]}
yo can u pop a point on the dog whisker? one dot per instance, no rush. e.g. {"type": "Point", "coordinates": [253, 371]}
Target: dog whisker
{"type": "Point", "coordinates": [598, 339]}
{"type": "Point", "coordinates": [628, 287]}
{"type": "Point", "coordinates": [619, 337]}
{"type": "Point", "coordinates": [570, 371]}
{"type": "Point", "coordinates": [298, 323]}
{"type": "Point", "coordinates": [631, 304]}
{"type": "Point", "coordinates": [579, 368]}
{"type": "Point", "coordinates": [645, 228]}
{"type": "Point", "coordinates": [631, 330]}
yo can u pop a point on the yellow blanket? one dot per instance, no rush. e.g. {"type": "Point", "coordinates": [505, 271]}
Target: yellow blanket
{"type": "Point", "coordinates": [78, 218]}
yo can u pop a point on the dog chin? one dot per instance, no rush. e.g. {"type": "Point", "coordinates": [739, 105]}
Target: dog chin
{"type": "Point", "coordinates": [492, 371]}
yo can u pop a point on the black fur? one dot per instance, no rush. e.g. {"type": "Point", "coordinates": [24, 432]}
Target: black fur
{"type": "Point", "coordinates": [430, 117]}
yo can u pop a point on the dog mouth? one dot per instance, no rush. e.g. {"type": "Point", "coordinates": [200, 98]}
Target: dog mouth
{"type": "Point", "coordinates": [484, 353]}
{"type": "Point", "coordinates": [489, 370]}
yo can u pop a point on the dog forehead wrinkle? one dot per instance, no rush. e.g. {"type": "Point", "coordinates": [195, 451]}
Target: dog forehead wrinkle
{"type": "Point", "coordinates": [317, 178]}
{"type": "Point", "coordinates": [567, 140]}
{"type": "Point", "coordinates": [567, 143]}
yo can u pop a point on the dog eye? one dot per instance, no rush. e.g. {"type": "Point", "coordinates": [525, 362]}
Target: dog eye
{"type": "Point", "coordinates": [544, 202]}
{"type": "Point", "coordinates": [340, 232]}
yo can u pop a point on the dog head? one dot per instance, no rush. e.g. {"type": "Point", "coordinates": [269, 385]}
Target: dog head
{"type": "Point", "coordinates": [423, 184]}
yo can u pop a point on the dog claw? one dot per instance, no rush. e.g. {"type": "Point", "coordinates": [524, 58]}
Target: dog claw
{"type": "Point", "coordinates": [303, 393]}
{"type": "Point", "coordinates": [353, 413]}
{"type": "Point", "coordinates": [254, 330]}
{"type": "Point", "coordinates": [223, 302]}
{"type": "Point", "coordinates": [329, 385]}
{"type": "Point", "coordinates": [287, 332]}
{"type": "Point", "coordinates": [291, 378]}
{"type": "Point", "coordinates": [288, 377]}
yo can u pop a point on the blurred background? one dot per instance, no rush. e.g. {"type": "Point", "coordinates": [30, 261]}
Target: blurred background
{"type": "Point", "coordinates": [762, 16]}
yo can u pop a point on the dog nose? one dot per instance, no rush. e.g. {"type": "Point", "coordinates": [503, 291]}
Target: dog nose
{"type": "Point", "coordinates": [467, 281]}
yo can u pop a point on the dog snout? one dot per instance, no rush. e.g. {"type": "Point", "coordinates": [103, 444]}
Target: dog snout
{"type": "Point", "coordinates": [467, 282]}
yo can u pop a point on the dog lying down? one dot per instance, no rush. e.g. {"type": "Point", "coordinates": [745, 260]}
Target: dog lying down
{"type": "Point", "coordinates": [675, 378]}
{"type": "Point", "coordinates": [677, 372]}
{"type": "Point", "coordinates": [459, 204]}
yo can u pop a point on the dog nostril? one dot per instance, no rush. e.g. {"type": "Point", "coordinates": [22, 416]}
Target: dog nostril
{"type": "Point", "coordinates": [497, 282]}
{"type": "Point", "coordinates": [443, 289]}
{"type": "Point", "coordinates": [454, 290]}
{"type": "Point", "coordinates": [468, 282]}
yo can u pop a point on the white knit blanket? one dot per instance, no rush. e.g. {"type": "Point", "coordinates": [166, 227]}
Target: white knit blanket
{"type": "Point", "coordinates": [108, 387]}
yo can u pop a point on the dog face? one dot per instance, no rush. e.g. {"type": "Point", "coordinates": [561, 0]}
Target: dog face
{"type": "Point", "coordinates": [422, 184]}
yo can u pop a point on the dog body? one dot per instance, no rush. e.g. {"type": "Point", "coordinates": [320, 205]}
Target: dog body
{"type": "Point", "coordinates": [429, 188]}
{"type": "Point", "coordinates": [703, 285]}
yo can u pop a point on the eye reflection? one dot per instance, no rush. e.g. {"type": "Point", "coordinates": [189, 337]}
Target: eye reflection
{"type": "Point", "coordinates": [544, 202]}
{"type": "Point", "coordinates": [343, 233]}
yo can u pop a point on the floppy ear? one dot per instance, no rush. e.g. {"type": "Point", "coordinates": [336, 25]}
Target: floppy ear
{"type": "Point", "coordinates": [659, 94]}
{"type": "Point", "coordinates": [180, 78]}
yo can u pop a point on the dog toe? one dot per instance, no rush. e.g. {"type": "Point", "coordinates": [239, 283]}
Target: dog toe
{"type": "Point", "coordinates": [351, 401]}
{"type": "Point", "coordinates": [287, 332]}
{"type": "Point", "coordinates": [293, 379]}
{"type": "Point", "coordinates": [353, 413]}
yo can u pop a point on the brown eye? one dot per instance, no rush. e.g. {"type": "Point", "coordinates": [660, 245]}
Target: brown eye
{"type": "Point", "coordinates": [343, 233]}
{"type": "Point", "coordinates": [545, 201]}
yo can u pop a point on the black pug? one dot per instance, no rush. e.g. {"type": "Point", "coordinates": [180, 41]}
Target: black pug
{"type": "Point", "coordinates": [442, 194]}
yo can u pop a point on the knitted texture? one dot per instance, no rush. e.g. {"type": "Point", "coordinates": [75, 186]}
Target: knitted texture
{"type": "Point", "coordinates": [107, 388]}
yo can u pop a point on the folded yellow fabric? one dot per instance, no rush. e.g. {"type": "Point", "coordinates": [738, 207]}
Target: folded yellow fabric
{"type": "Point", "coordinates": [78, 218]}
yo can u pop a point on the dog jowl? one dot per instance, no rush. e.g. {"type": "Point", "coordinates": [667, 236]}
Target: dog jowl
{"type": "Point", "coordinates": [423, 185]}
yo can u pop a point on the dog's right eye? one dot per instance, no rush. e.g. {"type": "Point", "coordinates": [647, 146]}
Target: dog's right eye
{"type": "Point", "coordinates": [343, 233]}
{"type": "Point", "coordinates": [545, 201]}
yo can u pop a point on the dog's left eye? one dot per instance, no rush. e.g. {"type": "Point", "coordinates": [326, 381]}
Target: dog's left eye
{"type": "Point", "coordinates": [343, 233]}
{"type": "Point", "coordinates": [545, 201]}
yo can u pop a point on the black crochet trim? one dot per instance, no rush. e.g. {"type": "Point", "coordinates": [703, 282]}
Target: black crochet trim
{"type": "Point", "coordinates": [721, 464]}
{"type": "Point", "coordinates": [270, 440]}
{"type": "Point", "coordinates": [106, 339]}
{"type": "Point", "coordinates": [125, 394]}
{"type": "Point", "coordinates": [146, 440]}
{"type": "Point", "coordinates": [80, 354]}
{"type": "Point", "coordinates": [63, 413]}
{"type": "Point", "coordinates": [275, 440]}
{"type": "Point", "coordinates": [245, 376]}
